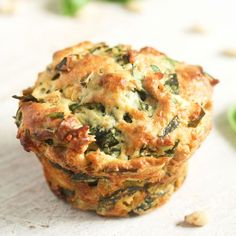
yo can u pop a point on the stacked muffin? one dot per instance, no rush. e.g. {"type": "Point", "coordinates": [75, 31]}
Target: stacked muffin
{"type": "Point", "coordinates": [114, 127]}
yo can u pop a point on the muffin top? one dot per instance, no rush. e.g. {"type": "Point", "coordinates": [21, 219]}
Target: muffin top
{"type": "Point", "coordinates": [108, 109]}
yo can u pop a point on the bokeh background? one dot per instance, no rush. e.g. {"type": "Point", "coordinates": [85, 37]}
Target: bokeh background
{"type": "Point", "coordinates": [198, 32]}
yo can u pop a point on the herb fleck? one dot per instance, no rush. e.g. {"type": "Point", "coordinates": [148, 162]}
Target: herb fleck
{"type": "Point", "coordinates": [27, 98]}
{"type": "Point", "coordinates": [82, 177]}
{"type": "Point", "coordinates": [146, 107]}
{"type": "Point", "coordinates": [155, 68]}
{"type": "Point", "coordinates": [107, 140]}
{"type": "Point", "coordinates": [56, 115]}
{"type": "Point", "coordinates": [194, 123]}
{"type": "Point", "coordinates": [56, 76]}
{"type": "Point", "coordinates": [173, 84]}
{"type": "Point", "coordinates": [57, 166]}
{"type": "Point", "coordinates": [49, 142]}
{"type": "Point", "coordinates": [75, 106]}
{"type": "Point", "coordinates": [85, 80]}
{"type": "Point", "coordinates": [174, 123]}
{"type": "Point", "coordinates": [91, 106]}
{"type": "Point", "coordinates": [127, 118]}
{"type": "Point", "coordinates": [108, 202]}
{"type": "Point", "coordinates": [122, 59]}
{"type": "Point", "coordinates": [171, 152]}
{"type": "Point", "coordinates": [18, 118]}
{"type": "Point", "coordinates": [146, 205]}
{"type": "Point", "coordinates": [62, 66]}
{"type": "Point", "coordinates": [142, 94]}
{"type": "Point", "coordinates": [66, 192]}
{"type": "Point", "coordinates": [145, 151]}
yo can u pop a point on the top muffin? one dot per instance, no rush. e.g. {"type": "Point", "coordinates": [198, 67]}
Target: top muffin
{"type": "Point", "coordinates": [102, 109]}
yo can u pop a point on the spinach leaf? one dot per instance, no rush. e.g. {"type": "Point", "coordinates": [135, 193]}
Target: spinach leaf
{"type": "Point", "coordinates": [49, 142]}
{"type": "Point", "coordinates": [62, 66]}
{"type": "Point", "coordinates": [98, 47]}
{"type": "Point", "coordinates": [120, 171]}
{"type": "Point", "coordinates": [146, 205]}
{"type": "Point", "coordinates": [86, 79]}
{"type": "Point", "coordinates": [194, 123]}
{"type": "Point", "coordinates": [142, 94]}
{"type": "Point", "coordinates": [173, 84]}
{"type": "Point", "coordinates": [174, 123]}
{"type": "Point", "coordinates": [91, 106]}
{"type": "Point", "coordinates": [154, 194]}
{"type": "Point", "coordinates": [56, 115]}
{"type": "Point", "coordinates": [145, 151]}
{"type": "Point", "coordinates": [120, 54]}
{"type": "Point", "coordinates": [56, 76]}
{"type": "Point", "coordinates": [82, 177]}
{"type": "Point", "coordinates": [144, 106]}
{"type": "Point", "coordinates": [79, 177]}
{"type": "Point", "coordinates": [66, 193]}
{"type": "Point", "coordinates": [95, 106]}
{"type": "Point", "coordinates": [57, 166]}
{"type": "Point", "coordinates": [108, 202]}
{"type": "Point", "coordinates": [171, 152]}
{"type": "Point", "coordinates": [28, 98]}
{"type": "Point", "coordinates": [127, 117]}
{"type": "Point", "coordinates": [75, 106]}
{"type": "Point", "coordinates": [18, 118]}
{"type": "Point", "coordinates": [114, 151]}
{"type": "Point", "coordinates": [122, 59]}
{"type": "Point", "coordinates": [107, 140]}
{"type": "Point", "coordinates": [155, 68]}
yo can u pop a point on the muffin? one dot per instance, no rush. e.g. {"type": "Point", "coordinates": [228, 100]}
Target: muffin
{"type": "Point", "coordinates": [114, 127]}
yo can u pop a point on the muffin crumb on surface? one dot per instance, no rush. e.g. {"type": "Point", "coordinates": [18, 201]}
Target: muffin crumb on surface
{"type": "Point", "coordinates": [197, 218]}
{"type": "Point", "coordinates": [229, 52]}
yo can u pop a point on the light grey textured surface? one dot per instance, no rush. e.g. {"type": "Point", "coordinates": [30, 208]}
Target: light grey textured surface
{"type": "Point", "coordinates": [27, 40]}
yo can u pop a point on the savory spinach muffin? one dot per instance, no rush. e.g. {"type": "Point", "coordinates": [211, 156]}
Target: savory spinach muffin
{"type": "Point", "coordinates": [114, 127]}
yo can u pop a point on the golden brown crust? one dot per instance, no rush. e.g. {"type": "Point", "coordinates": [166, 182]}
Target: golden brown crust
{"type": "Point", "coordinates": [115, 113]}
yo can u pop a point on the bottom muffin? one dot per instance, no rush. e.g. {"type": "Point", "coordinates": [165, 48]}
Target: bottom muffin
{"type": "Point", "coordinates": [115, 195]}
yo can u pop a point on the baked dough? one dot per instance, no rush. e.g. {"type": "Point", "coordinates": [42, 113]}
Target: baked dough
{"type": "Point", "coordinates": [114, 127]}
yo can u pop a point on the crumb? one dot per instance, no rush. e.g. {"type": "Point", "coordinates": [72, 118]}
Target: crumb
{"type": "Point", "coordinates": [197, 29]}
{"type": "Point", "coordinates": [44, 226]}
{"type": "Point", "coordinates": [230, 52]}
{"type": "Point", "coordinates": [197, 218]}
{"type": "Point", "coordinates": [8, 7]}
{"type": "Point", "coordinates": [32, 227]}
{"type": "Point", "coordinates": [134, 6]}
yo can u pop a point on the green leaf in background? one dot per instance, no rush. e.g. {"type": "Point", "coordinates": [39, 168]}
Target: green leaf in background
{"type": "Point", "coordinates": [71, 7]}
{"type": "Point", "coordinates": [120, 1]}
{"type": "Point", "coordinates": [232, 117]}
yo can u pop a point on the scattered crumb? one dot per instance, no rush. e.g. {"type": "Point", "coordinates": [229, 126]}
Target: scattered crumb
{"type": "Point", "coordinates": [134, 6]}
{"type": "Point", "coordinates": [229, 52]}
{"type": "Point", "coordinates": [197, 29]}
{"type": "Point", "coordinates": [9, 7]}
{"type": "Point", "coordinates": [32, 227]}
{"type": "Point", "coordinates": [44, 226]}
{"type": "Point", "coordinates": [197, 218]}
